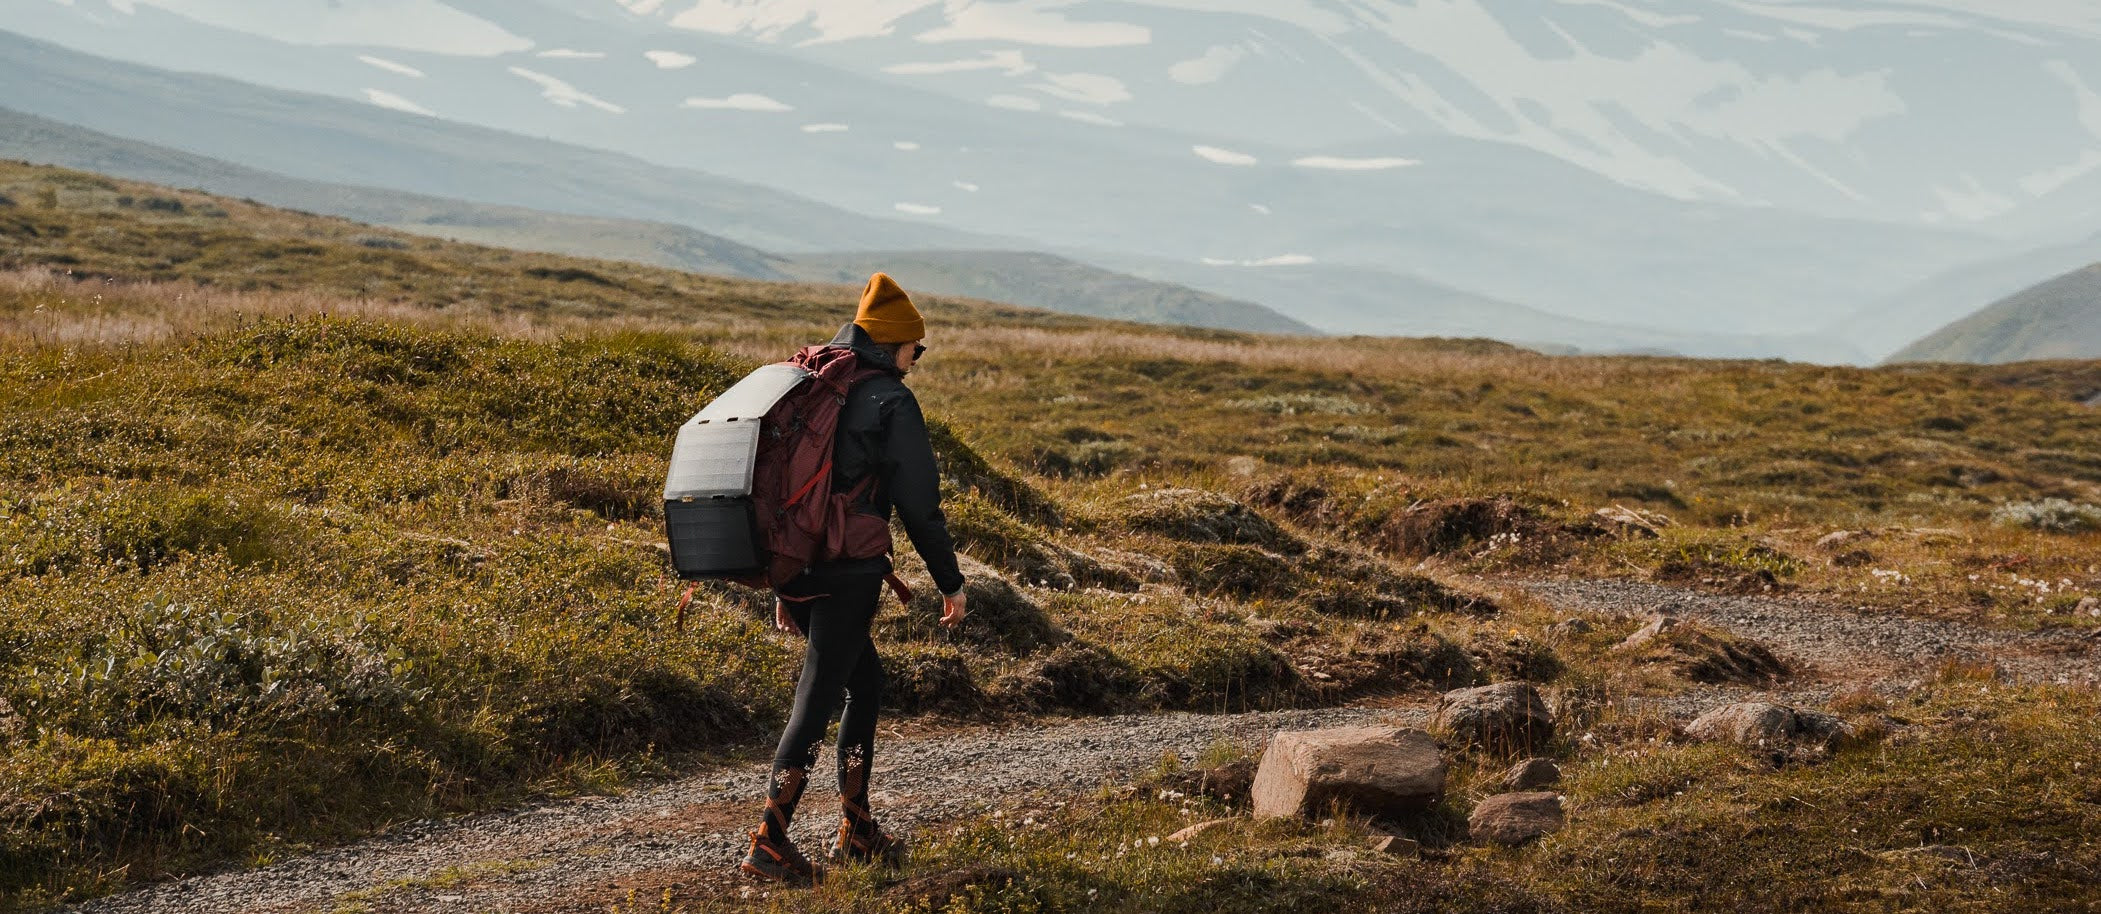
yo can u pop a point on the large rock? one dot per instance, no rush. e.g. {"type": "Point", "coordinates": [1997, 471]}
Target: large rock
{"type": "Point", "coordinates": [1771, 727]}
{"type": "Point", "coordinates": [1377, 771]}
{"type": "Point", "coordinates": [1507, 717]}
{"type": "Point", "coordinates": [1515, 818]}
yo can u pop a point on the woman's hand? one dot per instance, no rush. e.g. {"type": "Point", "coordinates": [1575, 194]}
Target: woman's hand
{"type": "Point", "coordinates": [953, 609]}
{"type": "Point", "coordinates": [782, 620]}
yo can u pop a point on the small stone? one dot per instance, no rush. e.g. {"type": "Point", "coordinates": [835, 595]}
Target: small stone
{"type": "Point", "coordinates": [2091, 606]}
{"type": "Point", "coordinates": [1190, 833]}
{"type": "Point", "coordinates": [1838, 538]}
{"type": "Point", "coordinates": [1515, 818]}
{"type": "Point", "coordinates": [1532, 774]}
{"type": "Point", "coordinates": [1568, 628]}
{"type": "Point", "coordinates": [1658, 627]}
{"type": "Point", "coordinates": [1395, 846]}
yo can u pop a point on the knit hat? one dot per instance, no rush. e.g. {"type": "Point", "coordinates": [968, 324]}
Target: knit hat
{"type": "Point", "coordinates": [887, 313]}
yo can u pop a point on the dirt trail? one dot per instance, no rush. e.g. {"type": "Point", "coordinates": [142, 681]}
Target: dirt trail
{"type": "Point", "coordinates": [683, 835]}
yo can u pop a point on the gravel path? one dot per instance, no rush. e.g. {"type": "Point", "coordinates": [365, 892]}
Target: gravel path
{"type": "Point", "coordinates": [684, 835]}
{"type": "Point", "coordinates": [1839, 645]}
{"type": "Point", "coordinates": [581, 855]}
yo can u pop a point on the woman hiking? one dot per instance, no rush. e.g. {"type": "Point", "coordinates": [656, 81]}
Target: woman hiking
{"type": "Point", "coordinates": [882, 443]}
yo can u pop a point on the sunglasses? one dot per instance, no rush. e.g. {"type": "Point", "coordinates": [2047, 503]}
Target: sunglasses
{"type": "Point", "coordinates": [918, 349]}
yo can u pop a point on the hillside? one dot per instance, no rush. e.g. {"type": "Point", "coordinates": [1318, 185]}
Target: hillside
{"type": "Point", "coordinates": [1904, 317]}
{"type": "Point", "coordinates": [2059, 319]}
{"type": "Point", "coordinates": [310, 530]}
{"type": "Point", "coordinates": [1050, 282]}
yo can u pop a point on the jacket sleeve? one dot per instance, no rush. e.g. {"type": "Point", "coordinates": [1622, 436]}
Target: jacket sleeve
{"type": "Point", "coordinates": [915, 491]}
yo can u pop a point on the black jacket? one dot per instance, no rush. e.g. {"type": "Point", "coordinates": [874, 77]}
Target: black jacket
{"type": "Point", "coordinates": [882, 431]}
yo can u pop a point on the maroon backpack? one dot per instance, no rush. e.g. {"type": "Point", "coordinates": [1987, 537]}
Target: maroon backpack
{"type": "Point", "coordinates": [791, 519]}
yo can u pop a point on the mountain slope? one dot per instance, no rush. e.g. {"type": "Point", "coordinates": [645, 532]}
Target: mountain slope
{"type": "Point", "coordinates": [2059, 319]}
{"type": "Point", "coordinates": [1046, 281]}
{"type": "Point", "coordinates": [1904, 317]}
{"type": "Point", "coordinates": [1498, 219]}
{"type": "Point", "coordinates": [1027, 279]}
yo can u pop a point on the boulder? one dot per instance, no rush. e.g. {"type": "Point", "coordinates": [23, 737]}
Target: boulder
{"type": "Point", "coordinates": [1532, 774]}
{"type": "Point", "coordinates": [1505, 717]}
{"type": "Point", "coordinates": [1621, 520]}
{"type": "Point", "coordinates": [1376, 771]}
{"type": "Point", "coordinates": [1515, 818]}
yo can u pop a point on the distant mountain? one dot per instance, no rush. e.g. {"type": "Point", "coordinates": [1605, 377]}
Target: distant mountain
{"type": "Point", "coordinates": [894, 142]}
{"type": "Point", "coordinates": [1905, 316]}
{"type": "Point", "coordinates": [2060, 319]}
{"type": "Point", "coordinates": [1031, 280]}
{"type": "Point", "coordinates": [1049, 282]}
{"type": "Point", "coordinates": [336, 141]}
{"type": "Point", "coordinates": [1361, 300]}
{"type": "Point", "coordinates": [47, 142]}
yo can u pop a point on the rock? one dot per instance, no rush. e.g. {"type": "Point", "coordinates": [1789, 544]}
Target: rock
{"type": "Point", "coordinates": [2091, 606]}
{"type": "Point", "coordinates": [1752, 723]}
{"type": "Point", "coordinates": [1532, 774]}
{"type": "Point", "coordinates": [1658, 627]}
{"type": "Point", "coordinates": [1759, 725]}
{"type": "Point", "coordinates": [1188, 834]}
{"type": "Point", "coordinates": [1395, 846]}
{"type": "Point", "coordinates": [1505, 717]}
{"type": "Point", "coordinates": [1377, 771]}
{"type": "Point", "coordinates": [1855, 558]}
{"type": "Point", "coordinates": [1568, 628]}
{"type": "Point", "coordinates": [1515, 818]}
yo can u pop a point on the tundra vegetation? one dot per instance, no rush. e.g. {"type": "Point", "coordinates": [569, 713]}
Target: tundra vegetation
{"type": "Point", "coordinates": [307, 528]}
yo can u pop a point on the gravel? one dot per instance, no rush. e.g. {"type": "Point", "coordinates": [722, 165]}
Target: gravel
{"type": "Point", "coordinates": [684, 835]}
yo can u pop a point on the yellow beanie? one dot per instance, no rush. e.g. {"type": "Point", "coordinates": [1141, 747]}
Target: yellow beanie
{"type": "Point", "coordinates": [887, 313]}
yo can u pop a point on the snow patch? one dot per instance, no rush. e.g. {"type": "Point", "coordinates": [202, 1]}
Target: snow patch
{"type": "Point", "coordinates": [1649, 18]}
{"type": "Point", "coordinates": [1032, 22]}
{"type": "Point", "coordinates": [390, 66]}
{"type": "Point", "coordinates": [563, 94]}
{"type": "Point", "coordinates": [1282, 260]}
{"type": "Point", "coordinates": [1090, 117]}
{"type": "Point", "coordinates": [1339, 163]}
{"type": "Point", "coordinates": [1223, 156]}
{"type": "Point", "coordinates": [1972, 201]}
{"type": "Point", "coordinates": [917, 209]}
{"type": "Point", "coordinates": [830, 20]}
{"type": "Point", "coordinates": [1009, 62]}
{"type": "Point", "coordinates": [1085, 88]}
{"type": "Point", "coordinates": [825, 128]}
{"type": "Point", "coordinates": [386, 99]}
{"type": "Point", "coordinates": [2048, 181]}
{"type": "Point", "coordinates": [1211, 67]}
{"type": "Point", "coordinates": [1014, 103]}
{"type": "Point", "coordinates": [742, 101]}
{"type": "Point", "coordinates": [905, 146]}
{"type": "Point", "coordinates": [670, 60]}
{"type": "Point", "coordinates": [1259, 208]}
{"type": "Point", "coordinates": [571, 54]}
{"type": "Point", "coordinates": [966, 187]}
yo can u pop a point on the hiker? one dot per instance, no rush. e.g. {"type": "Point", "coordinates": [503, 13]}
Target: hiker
{"type": "Point", "coordinates": [881, 434]}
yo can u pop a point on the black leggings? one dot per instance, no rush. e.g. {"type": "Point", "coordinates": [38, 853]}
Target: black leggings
{"type": "Point", "coordinates": [839, 664]}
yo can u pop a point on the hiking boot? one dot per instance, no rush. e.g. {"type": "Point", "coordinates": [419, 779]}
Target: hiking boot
{"type": "Point", "coordinates": [866, 843]}
{"type": "Point", "coordinates": [778, 861]}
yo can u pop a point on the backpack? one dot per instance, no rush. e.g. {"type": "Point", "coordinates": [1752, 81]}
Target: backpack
{"type": "Point", "coordinates": [749, 498]}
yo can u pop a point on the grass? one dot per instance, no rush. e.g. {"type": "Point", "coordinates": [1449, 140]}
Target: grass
{"type": "Point", "coordinates": [307, 527]}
